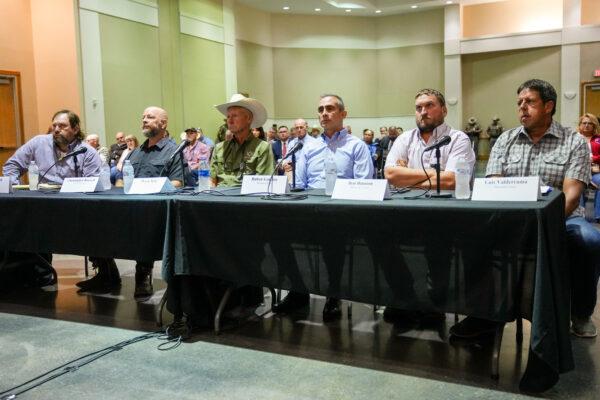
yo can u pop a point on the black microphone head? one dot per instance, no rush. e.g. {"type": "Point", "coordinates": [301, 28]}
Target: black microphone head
{"type": "Point", "coordinates": [299, 145]}
{"type": "Point", "coordinates": [445, 140]}
{"type": "Point", "coordinates": [82, 150]}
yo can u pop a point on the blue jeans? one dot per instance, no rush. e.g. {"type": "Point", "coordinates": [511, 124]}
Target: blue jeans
{"type": "Point", "coordinates": [115, 174]}
{"type": "Point", "coordinates": [596, 181]}
{"type": "Point", "coordinates": [583, 241]}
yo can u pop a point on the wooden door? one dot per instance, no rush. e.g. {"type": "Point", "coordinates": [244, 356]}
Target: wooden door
{"type": "Point", "coordinates": [11, 125]}
{"type": "Point", "coordinates": [591, 98]}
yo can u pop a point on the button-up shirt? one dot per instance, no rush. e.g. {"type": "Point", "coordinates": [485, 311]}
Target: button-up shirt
{"type": "Point", "coordinates": [149, 162]}
{"type": "Point", "coordinates": [232, 160]}
{"type": "Point", "coordinates": [351, 155]}
{"type": "Point", "coordinates": [559, 154]}
{"type": "Point", "coordinates": [44, 152]}
{"type": "Point", "coordinates": [196, 152]}
{"type": "Point", "coordinates": [409, 147]}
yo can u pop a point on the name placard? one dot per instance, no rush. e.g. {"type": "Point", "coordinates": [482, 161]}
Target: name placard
{"type": "Point", "coordinates": [81, 185]}
{"type": "Point", "coordinates": [5, 185]}
{"type": "Point", "coordinates": [264, 184]}
{"type": "Point", "coordinates": [519, 188]}
{"type": "Point", "coordinates": [151, 186]}
{"type": "Point", "coordinates": [361, 189]}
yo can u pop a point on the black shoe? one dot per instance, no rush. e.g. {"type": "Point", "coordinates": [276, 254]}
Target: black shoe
{"type": "Point", "coordinates": [294, 301]}
{"type": "Point", "coordinates": [179, 329]}
{"type": "Point", "coordinates": [395, 315]}
{"type": "Point", "coordinates": [143, 286]}
{"type": "Point", "coordinates": [332, 309]}
{"type": "Point", "coordinates": [472, 327]}
{"type": "Point", "coordinates": [99, 283]}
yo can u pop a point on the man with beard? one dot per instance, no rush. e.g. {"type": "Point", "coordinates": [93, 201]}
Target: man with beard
{"type": "Point", "coordinates": [403, 169]}
{"type": "Point", "coordinates": [46, 150]}
{"type": "Point", "coordinates": [151, 159]}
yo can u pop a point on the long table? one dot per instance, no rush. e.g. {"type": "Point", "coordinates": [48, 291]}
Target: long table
{"type": "Point", "coordinates": [499, 261]}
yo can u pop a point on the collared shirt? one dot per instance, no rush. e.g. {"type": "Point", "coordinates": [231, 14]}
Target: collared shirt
{"type": "Point", "coordinates": [351, 156]}
{"type": "Point", "coordinates": [409, 147]}
{"type": "Point", "coordinates": [196, 152]}
{"type": "Point", "coordinates": [115, 152]}
{"type": "Point", "coordinates": [207, 141]}
{"type": "Point", "coordinates": [559, 154]}
{"type": "Point", "coordinates": [231, 160]}
{"type": "Point", "coordinates": [149, 162]}
{"type": "Point", "coordinates": [44, 152]}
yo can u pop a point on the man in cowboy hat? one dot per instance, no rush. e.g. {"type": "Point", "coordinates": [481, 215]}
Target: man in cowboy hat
{"type": "Point", "coordinates": [244, 154]}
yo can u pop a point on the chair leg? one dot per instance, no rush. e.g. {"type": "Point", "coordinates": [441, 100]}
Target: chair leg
{"type": "Point", "coordinates": [496, 354]}
{"type": "Point", "coordinates": [349, 309]}
{"type": "Point", "coordinates": [222, 305]}
{"type": "Point", "coordinates": [273, 297]}
{"type": "Point", "coordinates": [519, 323]}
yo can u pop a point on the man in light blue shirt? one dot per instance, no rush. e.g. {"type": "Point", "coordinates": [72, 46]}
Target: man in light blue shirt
{"type": "Point", "coordinates": [353, 161]}
{"type": "Point", "coordinates": [351, 155]}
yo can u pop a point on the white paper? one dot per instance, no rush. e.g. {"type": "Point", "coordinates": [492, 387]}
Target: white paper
{"type": "Point", "coordinates": [264, 184]}
{"type": "Point", "coordinates": [5, 185]}
{"type": "Point", "coordinates": [361, 189]}
{"type": "Point", "coordinates": [518, 188]}
{"type": "Point", "coordinates": [81, 185]}
{"type": "Point", "coordinates": [151, 186]}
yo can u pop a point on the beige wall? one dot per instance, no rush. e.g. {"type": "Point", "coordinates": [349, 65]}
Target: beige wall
{"type": "Point", "coordinates": [490, 81]}
{"type": "Point", "coordinates": [255, 72]}
{"type": "Point", "coordinates": [55, 54]}
{"type": "Point", "coordinates": [16, 54]}
{"type": "Point", "coordinates": [590, 12]}
{"type": "Point", "coordinates": [590, 60]}
{"type": "Point", "coordinates": [511, 16]}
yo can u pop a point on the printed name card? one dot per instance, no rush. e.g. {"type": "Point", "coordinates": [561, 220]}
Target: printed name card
{"type": "Point", "coordinates": [81, 185]}
{"type": "Point", "coordinates": [264, 184]}
{"type": "Point", "coordinates": [5, 186]}
{"type": "Point", "coordinates": [525, 188]}
{"type": "Point", "coordinates": [150, 186]}
{"type": "Point", "coordinates": [361, 189]}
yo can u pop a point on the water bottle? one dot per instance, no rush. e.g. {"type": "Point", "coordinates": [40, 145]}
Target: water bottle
{"type": "Point", "coordinates": [105, 176]}
{"type": "Point", "coordinates": [203, 176]}
{"type": "Point", "coordinates": [462, 178]}
{"type": "Point", "coordinates": [127, 176]}
{"type": "Point", "coordinates": [34, 174]}
{"type": "Point", "coordinates": [330, 175]}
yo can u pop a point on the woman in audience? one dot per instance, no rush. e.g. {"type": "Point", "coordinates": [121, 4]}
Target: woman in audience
{"type": "Point", "coordinates": [589, 128]}
{"type": "Point", "coordinates": [116, 172]}
{"type": "Point", "coordinates": [259, 133]}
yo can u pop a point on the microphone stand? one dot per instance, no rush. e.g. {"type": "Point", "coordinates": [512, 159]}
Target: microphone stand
{"type": "Point", "coordinates": [294, 188]}
{"type": "Point", "coordinates": [437, 193]}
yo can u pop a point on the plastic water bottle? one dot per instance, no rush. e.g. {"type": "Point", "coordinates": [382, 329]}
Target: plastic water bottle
{"type": "Point", "coordinates": [462, 178]}
{"type": "Point", "coordinates": [203, 176]}
{"type": "Point", "coordinates": [128, 175]}
{"type": "Point", "coordinates": [330, 175]}
{"type": "Point", "coordinates": [33, 174]}
{"type": "Point", "coordinates": [105, 176]}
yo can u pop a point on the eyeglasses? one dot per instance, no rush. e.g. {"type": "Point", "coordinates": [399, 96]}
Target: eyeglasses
{"type": "Point", "coordinates": [586, 123]}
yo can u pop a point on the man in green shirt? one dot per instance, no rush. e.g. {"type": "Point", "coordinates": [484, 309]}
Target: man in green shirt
{"type": "Point", "coordinates": [244, 154]}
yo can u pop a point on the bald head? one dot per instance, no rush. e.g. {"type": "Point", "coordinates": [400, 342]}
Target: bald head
{"type": "Point", "coordinates": [154, 121]}
{"type": "Point", "coordinates": [93, 140]}
{"type": "Point", "coordinates": [301, 128]}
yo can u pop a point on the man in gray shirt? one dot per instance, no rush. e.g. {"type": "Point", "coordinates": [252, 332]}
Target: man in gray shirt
{"type": "Point", "coordinates": [49, 151]}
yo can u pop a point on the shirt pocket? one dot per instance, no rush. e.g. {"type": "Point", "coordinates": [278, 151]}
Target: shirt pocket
{"type": "Point", "coordinates": [553, 167]}
{"type": "Point", "coordinates": [512, 165]}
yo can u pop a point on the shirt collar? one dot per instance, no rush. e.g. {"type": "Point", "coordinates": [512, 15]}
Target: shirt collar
{"type": "Point", "coordinates": [553, 130]}
{"type": "Point", "coordinates": [161, 143]}
{"type": "Point", "coordinates": [336, 136]}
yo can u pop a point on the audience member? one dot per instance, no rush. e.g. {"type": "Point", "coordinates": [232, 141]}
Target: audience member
{"type": "Point", "coordinates": [195, 151]}
{"type": "Point", "coordinates": [116, 149]}
{"type": "Point", "coordinates": [315, 131]}
{"type": "Point", "coordinates": [48, 151]}
{"type": "Point", "coordinates": [588, 127]}
{"type": "Point", "coordinates": [259, 133]}
{"type": "Point", "coordinates": [383, 131]}
{"type": "Point", "coordinates": [385, 145]}
{"type": "Point", "coordinates": [368, 136]}
{"type": "Point", "coordinates": [94, 141]}
{"type": "Point", "coordinates": [281, 146]}
{"type": "Point", "coordinates": [116, 172]}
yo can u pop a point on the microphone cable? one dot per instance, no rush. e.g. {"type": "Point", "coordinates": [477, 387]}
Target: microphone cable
{"type": "Point", "coordinates": [76, 364]}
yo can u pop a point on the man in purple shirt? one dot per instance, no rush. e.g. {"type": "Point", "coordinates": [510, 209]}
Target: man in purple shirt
{"type": "Point", "coordinates": [49, 149]}
{"type": "Point", "coordinates": [195, 152]}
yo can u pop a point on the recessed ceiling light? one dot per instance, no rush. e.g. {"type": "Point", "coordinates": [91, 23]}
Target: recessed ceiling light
{"type": "Point", "coordinates": [317, 9]}
{"type": "Point", "coordinates": [286, 8]}
{"type": "Point", "coordinates": [449, 2]}
{"type": "Point", "coordinates": [415, 6]}
{"type": "Point", "coordinates": [348, 10]}
{"type": "Point", "coordinates": [377, 11]}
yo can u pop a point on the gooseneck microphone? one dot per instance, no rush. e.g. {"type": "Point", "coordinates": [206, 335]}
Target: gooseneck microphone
{"type": "Point", "coordinates": [184, 143]}
{"type": "Point", "coordinates": [74, 153]}
{"type": "Point", "coordinates": [440, 143]}
{"type": "Point", "coordinates": [294, 150]}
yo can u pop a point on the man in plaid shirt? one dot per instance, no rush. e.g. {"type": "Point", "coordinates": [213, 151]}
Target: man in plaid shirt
{"type": "Point", "coordinates": [561, 158]}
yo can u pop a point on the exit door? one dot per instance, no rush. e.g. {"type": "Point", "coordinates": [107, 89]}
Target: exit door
{"type": "Point", "coordinates": [590, 97]}
{"type": "Point", "coordinates": [11, 121]}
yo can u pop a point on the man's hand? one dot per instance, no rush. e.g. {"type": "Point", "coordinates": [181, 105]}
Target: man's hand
{"type": "Point", "coordinates": [401, 163]}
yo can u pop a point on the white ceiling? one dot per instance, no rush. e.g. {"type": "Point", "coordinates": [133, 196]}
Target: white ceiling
{"type": "Point", "coordinates": [362, 8]}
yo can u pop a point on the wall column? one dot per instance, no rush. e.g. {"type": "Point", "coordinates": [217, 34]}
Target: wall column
{"type": "Point", "coordinates": [570, 65]}
{"type": "Point", "coordinates": [452, 66]}
{"type": "Point", "coordinates": [229, 48]}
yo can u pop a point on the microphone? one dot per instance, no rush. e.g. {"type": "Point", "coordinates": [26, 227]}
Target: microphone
{"type": "Point", "coordinates": [294, 150]}
{"type": "Point", "coordinates": [441, 142]}
{"type": "Point", "coordinates": [80, 150]}
{"type": "Point", "coordinates": [184, 143]}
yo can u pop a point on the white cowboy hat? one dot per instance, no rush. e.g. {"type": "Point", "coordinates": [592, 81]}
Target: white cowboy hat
{"type": "Point", "coordinates": [259, 113]}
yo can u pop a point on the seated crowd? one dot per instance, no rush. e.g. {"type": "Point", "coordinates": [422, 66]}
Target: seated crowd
{"type": "Point", "coordinates": [244, 148]}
